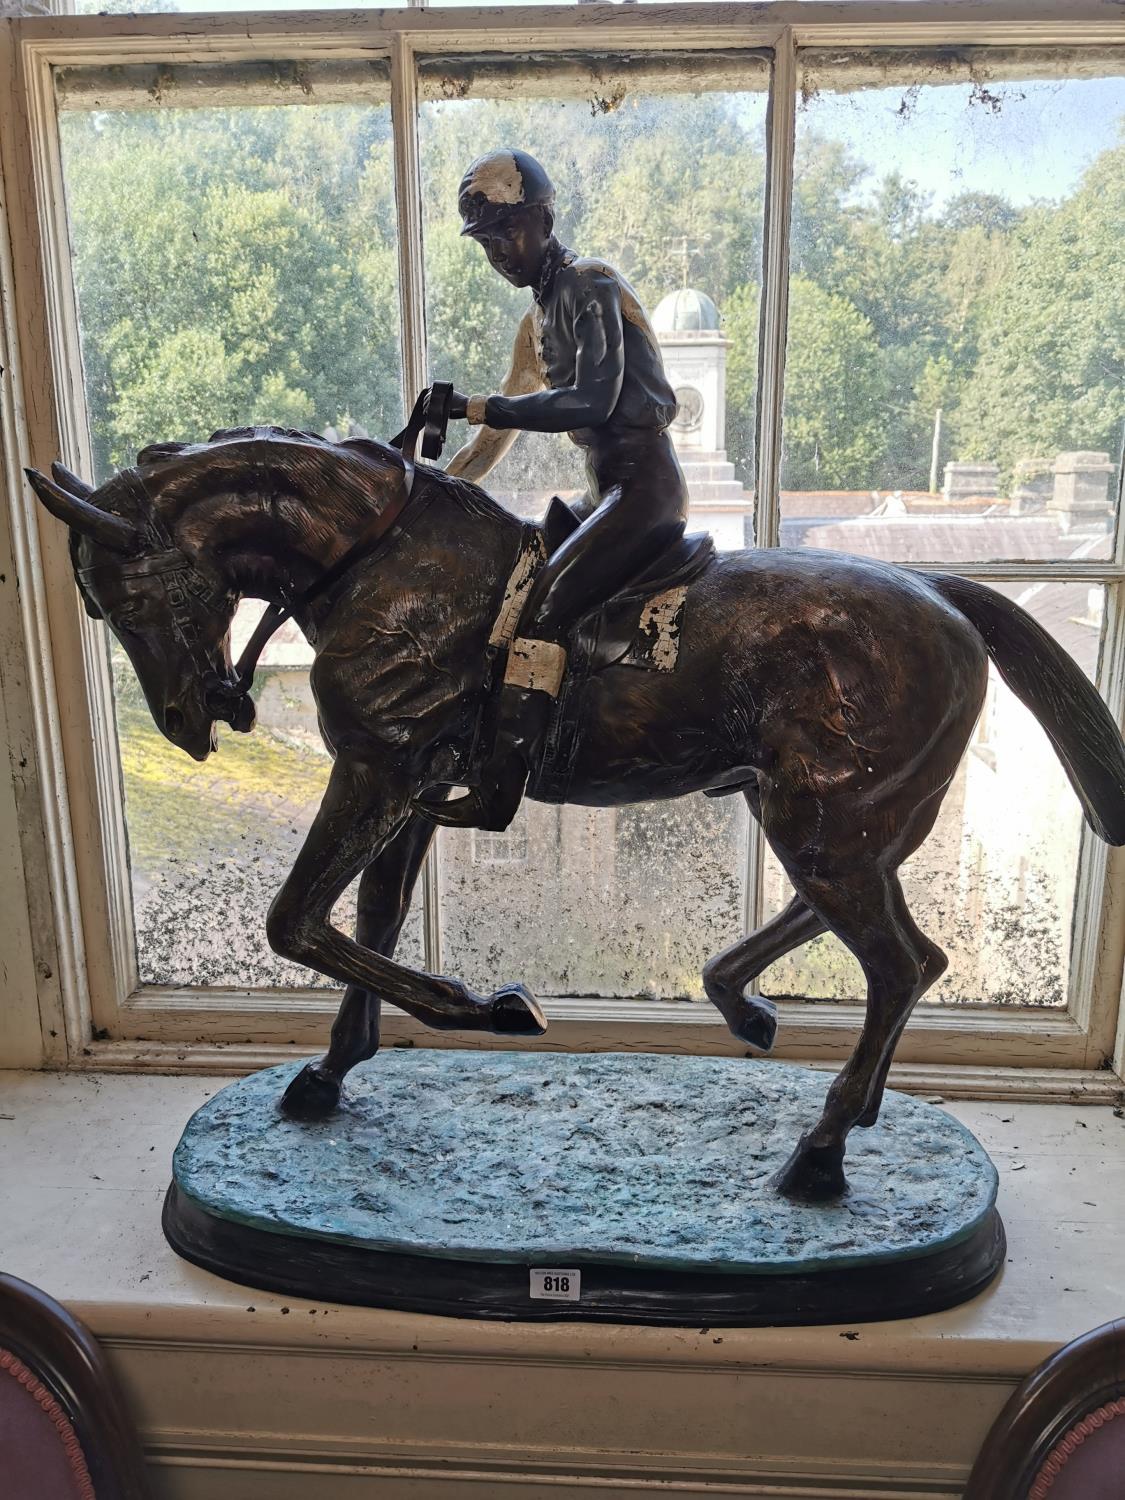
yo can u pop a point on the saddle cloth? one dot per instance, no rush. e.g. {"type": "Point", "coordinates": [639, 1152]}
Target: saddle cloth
{"type": "Point", "coordinates": [638, 627]}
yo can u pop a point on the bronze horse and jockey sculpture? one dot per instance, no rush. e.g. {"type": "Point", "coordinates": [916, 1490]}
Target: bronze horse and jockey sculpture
{"type": "Point", "coordinates": [837, 694]}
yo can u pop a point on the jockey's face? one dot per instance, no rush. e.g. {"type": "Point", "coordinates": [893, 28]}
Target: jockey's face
{"type": "Point", "coordinates": [515, 244]}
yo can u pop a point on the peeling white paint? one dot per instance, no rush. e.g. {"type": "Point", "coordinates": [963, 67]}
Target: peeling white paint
{"type": "Point", "coordinates": [535, 344]}
{"type": "Point", "coordinates": [528, 563]}
{"type": "Point", "coordinates": [658, 630]}
{"type": "Point", "coordinates": [537, 665]}
{"type": "Point", "coordinates": [631, 309]}
{"type": "Point", "coordinates": [498, 177]}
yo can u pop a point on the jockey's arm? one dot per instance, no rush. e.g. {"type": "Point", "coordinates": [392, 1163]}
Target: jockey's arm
{"type": "Point", "coordinates": [487, 446]}
{"type": "Point", "coordinates": [599, 370]}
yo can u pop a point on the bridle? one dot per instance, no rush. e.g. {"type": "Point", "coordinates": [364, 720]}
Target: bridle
{"type": "Point", "coordinates": [228, 698]}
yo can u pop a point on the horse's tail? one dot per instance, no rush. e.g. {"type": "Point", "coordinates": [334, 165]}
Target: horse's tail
{"type": "Point", "coordinates": [1061, 697]}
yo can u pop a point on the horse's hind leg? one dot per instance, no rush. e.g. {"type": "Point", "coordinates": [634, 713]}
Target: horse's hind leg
{"type": "Point", "coordinates": [867, 911]}
{"type": "Point", "coordinates": [382, 903]}
{"type": "Point", "coordinates": [752, 1018]}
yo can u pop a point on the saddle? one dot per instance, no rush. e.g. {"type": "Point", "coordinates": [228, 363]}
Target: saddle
{"type": "Point", "coordinates": [638, 627]}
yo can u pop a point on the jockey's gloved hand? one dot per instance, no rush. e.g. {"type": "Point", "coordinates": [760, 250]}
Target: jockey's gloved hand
{"type": "Point", "coordinates": [458, 405]}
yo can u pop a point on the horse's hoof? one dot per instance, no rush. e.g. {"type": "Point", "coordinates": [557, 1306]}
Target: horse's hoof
{"type": "Point", "coordinates": [813, 1174]}
{"type": "Point", "coordinates": [756, 1024]}
{"type": "Point", "coordinates": [514, 1011]}
{"type": "Point", "coordinates": [312, 1095]}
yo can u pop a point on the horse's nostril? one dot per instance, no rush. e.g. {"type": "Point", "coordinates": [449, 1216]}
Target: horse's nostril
{"type": "Point", "coordinates": [173, 721]}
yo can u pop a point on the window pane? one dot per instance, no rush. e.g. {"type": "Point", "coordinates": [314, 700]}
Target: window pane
{"type": "Point", "coordinates": [629, 901]}
{"type": "Point", "coordinates": [955, 373]}
{"type": "Point", "coordinates": [618, 902]}
{"type": "Point", "coordinates": [994, 883]}
{"type": "Point", "coordinates": [235, 263]}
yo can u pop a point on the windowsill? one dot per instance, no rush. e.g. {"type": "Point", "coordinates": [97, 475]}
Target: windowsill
{"type": "Point", "coordinates": [226, 1382]}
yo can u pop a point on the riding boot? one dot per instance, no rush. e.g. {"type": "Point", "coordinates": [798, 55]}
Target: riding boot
{"type": "Point", "coordinates": [522, 721]}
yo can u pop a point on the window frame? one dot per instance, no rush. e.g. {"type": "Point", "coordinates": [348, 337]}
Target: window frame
{"type": "Point", "coordinates": [91, 1010]}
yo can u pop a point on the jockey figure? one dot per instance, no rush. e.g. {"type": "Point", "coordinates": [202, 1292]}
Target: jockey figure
{"type": "Point", "coordinates": [585, 362]}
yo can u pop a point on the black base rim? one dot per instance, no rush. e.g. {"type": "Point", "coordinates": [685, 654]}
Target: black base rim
{"type": "Point", "coordinates": [324, 1271]}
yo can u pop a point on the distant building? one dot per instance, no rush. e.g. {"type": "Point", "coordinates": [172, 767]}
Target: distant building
{"type": "Point", "coordinates": [689, 330]}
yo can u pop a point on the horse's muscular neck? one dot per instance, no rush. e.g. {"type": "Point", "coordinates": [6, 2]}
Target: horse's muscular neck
{"type": "Point", "coordinates": [274, 537]}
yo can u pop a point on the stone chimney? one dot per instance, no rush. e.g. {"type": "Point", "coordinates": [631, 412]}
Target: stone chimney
{"type": "Point", "coordinates": [971, 481]}
{"type": "Point", "coordinates": [1033, 480]}
{"type": "Point", "coordinates": [1081, 495]}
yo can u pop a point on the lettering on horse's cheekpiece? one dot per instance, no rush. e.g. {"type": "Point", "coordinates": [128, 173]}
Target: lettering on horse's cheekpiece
{"type": "Point", "coordinates": [657, 644]}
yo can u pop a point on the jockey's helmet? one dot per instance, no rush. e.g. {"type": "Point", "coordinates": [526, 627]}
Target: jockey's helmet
{"type": "Point", "coordinates": [498, 182]}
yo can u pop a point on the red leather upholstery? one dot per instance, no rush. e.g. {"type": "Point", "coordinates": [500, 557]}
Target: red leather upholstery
{"type": "Point", "coordinates": [1089, 1462]}
{"type": "Point", "coordinates": [40, 1455]}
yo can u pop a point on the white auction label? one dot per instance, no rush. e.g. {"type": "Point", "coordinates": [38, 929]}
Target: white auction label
{"type": "Point", "coordinates": [556, 1286]}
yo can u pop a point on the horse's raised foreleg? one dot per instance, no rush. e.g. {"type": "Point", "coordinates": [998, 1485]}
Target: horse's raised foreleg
{"type": "Point", "coordinates": [382, 904]}
{"type": "Point", "coordinates": [867, 911]}
{"type": "Point", "coordinates": [365, 805]}
{"type": "Point", "coordinates": [752, 1018]}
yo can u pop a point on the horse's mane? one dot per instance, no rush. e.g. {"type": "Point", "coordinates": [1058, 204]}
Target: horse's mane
{"type": "Point", "coordinates": [351, 466]}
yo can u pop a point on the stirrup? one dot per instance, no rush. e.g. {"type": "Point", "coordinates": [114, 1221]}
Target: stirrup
{"type": "Point", "coordinates": [534, 673]}
{"type": "Point", "coordinates": [475, 809]}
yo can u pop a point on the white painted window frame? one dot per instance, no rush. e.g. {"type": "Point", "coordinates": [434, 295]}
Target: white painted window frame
{"type": "Point", "coordinates": [87, 1008]}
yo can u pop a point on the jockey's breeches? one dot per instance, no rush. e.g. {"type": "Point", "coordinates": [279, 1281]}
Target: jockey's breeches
{"type": "Point", "coordinates": [642, 511]}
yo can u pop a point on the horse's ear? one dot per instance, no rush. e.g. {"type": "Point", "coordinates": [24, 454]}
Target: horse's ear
{"type": "Point", "coordinates": [100, 525]}
{"type": "Point", "coordinates": [70, 482]}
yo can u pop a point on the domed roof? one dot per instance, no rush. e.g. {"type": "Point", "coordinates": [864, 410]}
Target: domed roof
{"type": "Point", "coordinates": [686, 311]}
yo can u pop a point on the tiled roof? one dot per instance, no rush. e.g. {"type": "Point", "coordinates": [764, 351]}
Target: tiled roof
{"type": "Point", "coordinates": [951, 539]}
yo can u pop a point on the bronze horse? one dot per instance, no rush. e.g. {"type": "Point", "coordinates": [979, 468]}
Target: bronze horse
{"type": "Point", "coordinates": [836, 693]}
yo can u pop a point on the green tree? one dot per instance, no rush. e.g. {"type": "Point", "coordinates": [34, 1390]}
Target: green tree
{"type": "Point", "coordinates": [740, 324]}
{"type": "Point", "coordinates": [825, 217]}
{"type": "Point", "coordinates": [835, 403]}
{"type": "Point", "coordinates": [975, 210]}
{"type": "Point", "coordinates": [238, 286]}
{"type": "Point", "coordinates": [668, 210]}
{"type": "Point", "coordinates": [1051, 370]}
{"type": "Point", "coordinates": [239, 265]}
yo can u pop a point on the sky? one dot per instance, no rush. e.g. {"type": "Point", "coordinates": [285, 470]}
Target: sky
{"type": "Point", "coordinates": [1035, 144]}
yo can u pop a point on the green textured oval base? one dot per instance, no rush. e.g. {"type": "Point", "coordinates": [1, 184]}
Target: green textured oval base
{"type": "Point", "coordinates": [446, 1178]}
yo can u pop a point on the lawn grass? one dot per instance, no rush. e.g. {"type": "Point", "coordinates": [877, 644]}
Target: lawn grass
{"type": "Point", "coordinates": [178, 809]}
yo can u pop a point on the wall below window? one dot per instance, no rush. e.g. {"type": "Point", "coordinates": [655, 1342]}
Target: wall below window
{"type": "Point", "coordinates": [242, 1395]}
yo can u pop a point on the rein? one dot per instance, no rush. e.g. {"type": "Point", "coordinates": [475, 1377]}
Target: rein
{"type": "Point", "coordinates": [229, 698]}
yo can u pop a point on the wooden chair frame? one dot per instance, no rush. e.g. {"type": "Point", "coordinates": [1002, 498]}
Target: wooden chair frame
{"type": "Point", "coordinates": [1055, 1397]}
{"type": "Point", "coordinates": [63, 1354]}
